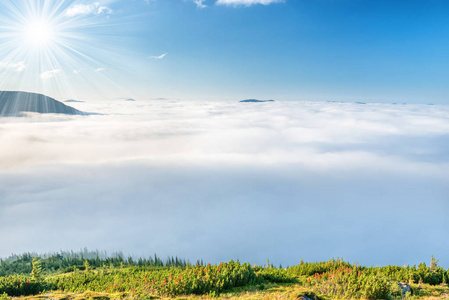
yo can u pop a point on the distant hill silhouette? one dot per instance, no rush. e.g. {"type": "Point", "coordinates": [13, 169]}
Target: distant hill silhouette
{"type": "Point", "coordinates": [73, 101]}
{"type": "Point", "coordinates": [15, 103]}
{"type": "Point", "coordinates": [255, 100]}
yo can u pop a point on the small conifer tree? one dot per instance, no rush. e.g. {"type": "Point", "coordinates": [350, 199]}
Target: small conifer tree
{"type": "Point", "coordinates": [86, 266]}
{"type": "Point", "coordinates": [36, 272]}
{"type": "Point", "coordinates": [433, 264]}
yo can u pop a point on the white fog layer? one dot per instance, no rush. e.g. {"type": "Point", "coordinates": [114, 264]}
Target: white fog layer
{"type": "Point", "coordinates": [219, 181]}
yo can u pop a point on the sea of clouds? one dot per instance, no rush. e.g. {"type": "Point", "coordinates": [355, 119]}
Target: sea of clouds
{"type": "Point", "coordinates": [224, 180]}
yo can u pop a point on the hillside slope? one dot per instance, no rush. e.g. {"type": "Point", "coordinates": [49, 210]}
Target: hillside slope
{"type": "Point", "coordinates": [15, 103]}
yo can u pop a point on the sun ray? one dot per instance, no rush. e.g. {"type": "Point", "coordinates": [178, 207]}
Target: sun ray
{"type": "Point", "coordinates": [40, 37]}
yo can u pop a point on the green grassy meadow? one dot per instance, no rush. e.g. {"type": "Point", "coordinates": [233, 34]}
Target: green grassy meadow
{"type": "Point", "coordinates": [91, 275]}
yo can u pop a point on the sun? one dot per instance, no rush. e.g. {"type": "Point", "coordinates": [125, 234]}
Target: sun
{"type": "Point", "coordinates": [39, 33]}
{"type": "Point", "coordinates": [46, 44]}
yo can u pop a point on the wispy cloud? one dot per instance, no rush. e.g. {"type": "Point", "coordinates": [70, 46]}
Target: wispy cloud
{"type": "Point", "coordinates": [246, 2]}
{"type": "Point", "coordinates": [76, 71]}
{"type": "Point", "coordinates": [50, 74]}
{"type": "Point", "coordinates": [200, 3]}
{"type": "Point", "coordinates": [159, 56]}
{"type": "Point", "coordinates": [15, 66]}
{"type": "Point", "coordinates": [100, 69]}
{"type": "Point", "coordinates": [87, 9]}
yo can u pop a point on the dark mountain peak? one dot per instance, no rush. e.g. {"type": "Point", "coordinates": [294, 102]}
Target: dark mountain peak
{"type": "Point", "coordinates": [13, 103]}
{"type": "Point", "coordinates": [255, 100]}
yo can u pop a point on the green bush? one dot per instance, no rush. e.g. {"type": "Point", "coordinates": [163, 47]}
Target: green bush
{"type": "Point", "coordinates": [164, 281]}
{"type": "Point", "coordinates": [276, 275]}
{"type": "Point", "coordinates": [19, 285]}
{"type": "Point", "coordinates": [309, 269]}
{"type": "Point", "coordinates": [350, 283]}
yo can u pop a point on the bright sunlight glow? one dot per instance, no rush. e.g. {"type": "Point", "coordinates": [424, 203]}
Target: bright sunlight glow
{"type": "Point", "coordinates": [45, 44]}
{"type": "Point", "coordinates": [38, 33]}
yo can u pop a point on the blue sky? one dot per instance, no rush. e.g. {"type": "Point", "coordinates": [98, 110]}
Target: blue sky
{"type": "Point", "coordinates": [345, 50]}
